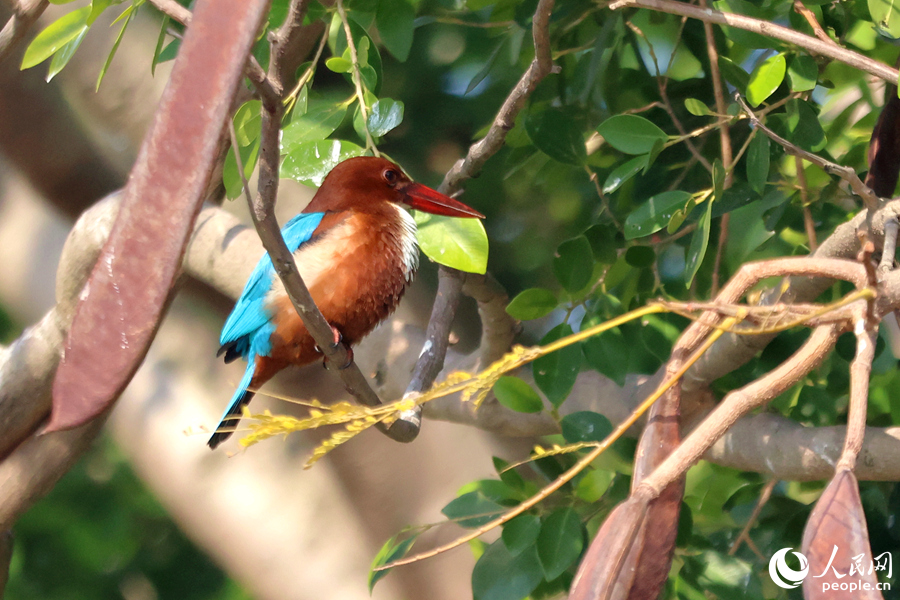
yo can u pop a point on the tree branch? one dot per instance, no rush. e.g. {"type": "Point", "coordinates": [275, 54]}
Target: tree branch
{"type": "Point", "coordinates": [766, 28]}
{"type": "Point", "coordinates": [431, 361]}
{"type": "Point", "coordinates": [24, 16]}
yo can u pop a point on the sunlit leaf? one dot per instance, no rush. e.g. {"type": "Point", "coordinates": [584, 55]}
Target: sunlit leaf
{"type": "Point", "coordinates": [386, 115]}
{"type": "Point", "coordinates": [765, 79]}
{"type": "Point", "coordinates": [55, 37]}
{"type": "Point", "coordinates": [309, 162]}
{"type": "Point", "coordinates": [314, 125]}
{"type": "Point", "coordinates": [458, 243]}
{"type": "Point", "coordinates": [696, 108]}
{"type": "Point", "coordinates": [131, 12]}
{"type": "Point", "coordinates": [391, 550]}
{"type": "Point", "coordinates": [61, 58]}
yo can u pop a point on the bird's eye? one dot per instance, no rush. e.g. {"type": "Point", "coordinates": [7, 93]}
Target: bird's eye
{"type": "Point", "coordinates": [390, 176]}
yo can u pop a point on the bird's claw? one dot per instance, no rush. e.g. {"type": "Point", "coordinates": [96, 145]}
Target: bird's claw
{"type": "Point", "coordinates": [338, 338]}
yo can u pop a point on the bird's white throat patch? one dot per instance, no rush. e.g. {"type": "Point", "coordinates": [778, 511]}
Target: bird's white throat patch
{"type": "Point", "coordinates": [409, 248]}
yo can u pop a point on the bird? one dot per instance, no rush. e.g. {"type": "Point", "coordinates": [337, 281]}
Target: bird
{"type": "Point", "coordinates": [355, 247]}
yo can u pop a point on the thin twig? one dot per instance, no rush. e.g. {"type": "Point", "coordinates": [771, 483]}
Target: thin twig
{"type": "Point", "coordinates": [889, 247]}
{"type": "Point", "coordinates": [744, 536]}
{"type": "Point", "coordinates": [769, 29]}
{"type": "Point", "coordinates": [810, 17]}
{"type": "Point", "coordinates": [870, 200]}
{"type": "Point", "coordinates": [357, 77]}
{"type": "Point", "coordinates": [727, 153]}
{"type": "Point", "coordinates": [808, 222]}
{"type": "Point", "coordinates": [860, 369]}
{"type": "Point", "coordinates": [24, 16]}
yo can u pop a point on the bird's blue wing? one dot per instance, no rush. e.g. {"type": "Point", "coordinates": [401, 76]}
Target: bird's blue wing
{"type": "Point", "coordinates": [250, 314]}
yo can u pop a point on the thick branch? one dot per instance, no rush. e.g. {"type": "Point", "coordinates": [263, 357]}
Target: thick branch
{"type": "Point", "coordinates": [24, 16]}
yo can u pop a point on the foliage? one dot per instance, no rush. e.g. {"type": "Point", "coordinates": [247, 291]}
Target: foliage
{"type": "Point", "coordinates": [611, 191]}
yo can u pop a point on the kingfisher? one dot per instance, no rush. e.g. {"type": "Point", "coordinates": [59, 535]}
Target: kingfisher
{"type": "Point", "coordinates": [355, 247]}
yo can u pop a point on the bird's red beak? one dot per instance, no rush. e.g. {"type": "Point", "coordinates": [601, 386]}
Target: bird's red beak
{"type": "Point", "coordinates": [421, 197]}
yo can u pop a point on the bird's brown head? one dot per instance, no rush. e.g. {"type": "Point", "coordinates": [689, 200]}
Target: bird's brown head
{"type": "Point", "coordinates": [365, 183]}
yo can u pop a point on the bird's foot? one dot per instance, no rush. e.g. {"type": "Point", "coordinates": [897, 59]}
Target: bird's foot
{"type": "Point", "coordinates": [338, 339]}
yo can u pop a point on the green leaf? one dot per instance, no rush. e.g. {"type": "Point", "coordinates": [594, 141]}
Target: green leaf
{"type": "Point", "coordinates": [631, 134]}
{"type": "Point", "coordinates": [310, 162]}
{"type": "Point", "coordinates": [315, 125]}
{"type": "Point", "coordinates": [734, 74]}
{"type": "Point", "coordinates": [886, 16]}
{"type": "Point", "coordinates": [591, 487]}
{"type": "Point", "coordinates": [500, 575]}
{"type": "Point", "coordinates": [389, 552]}
{"type": "Point", "coordinates": [699, 242]}
{"type": "Point", "coordinates": [371, 73]}
{"type": "Point", "coordinates": [61, 58]}
{"type": "Point", "coordinates": [386, 115]}
{"type": "Point", "coordinates": [515, 394]}
{"type": "Point", "coordinates": [640, 257]}
{"type": "Point", "coordinates": [765, 79]}
{"type": "Point", "coordinates": [560, 542]}
{"type": "Point", "coordinates": [170, 51]}
{"type": "Point", "coordinates": [556, 372]}
{"type": "Point", "coordinates": [247, 132]}
{"type": "Point", "coordinates": [521, 533]}
{"type": "Point", "coordinates": [610, 354]}
{"type": "Point", "coordinates": [473, 509]}
{"type": "Point", "coordinates": [483, 72]}
{"type": "Point", "coordinates": [339, 64]}
{"type": "Point", "coordinates": [804, 126]}
{"type": "Point", "coordinates": [55, 37]}
{"type": "Point", "coordinates": [557, 135]}
{"type": "Point", "coordinates": [696, 108]}
{"type": "Point", "coordinates": [458, 243]}
{"type": "Point", "coordinates": [574, 263]}
{"type": "Point", "coordinates": [803, 73]}
{"type": "Point", "coordinates": [97, 8]}
{"type": "Point", "coordinates": [654, 214]}
{"type": "Point", "coordinates": [131, 12]}
{"type": "Point", "coordinates": [624, 172]}
{"type": "Point", "coordinates": [602, 239]}
{"type": "Point", "coordinates": [160, 42]}
{"type": "Point", "coordinates": [585, 426]}
{"type": "Point", "coordinates": [758, 161]}
{"type": "Point", "coordinates": [532, 303]}
{"type": "Point", "coordinates": [395, 21]}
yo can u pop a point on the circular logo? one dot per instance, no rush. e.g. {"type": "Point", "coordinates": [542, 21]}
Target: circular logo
{"type": "Point", "coordinates": [782, 574]}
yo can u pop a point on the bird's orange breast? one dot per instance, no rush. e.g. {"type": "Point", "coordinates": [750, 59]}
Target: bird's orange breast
{"type": "Point", "coordinates": [356, 271]}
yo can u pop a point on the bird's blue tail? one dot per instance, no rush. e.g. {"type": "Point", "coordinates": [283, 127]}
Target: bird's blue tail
{"type": "Point", "coordinates": [232, 414]}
